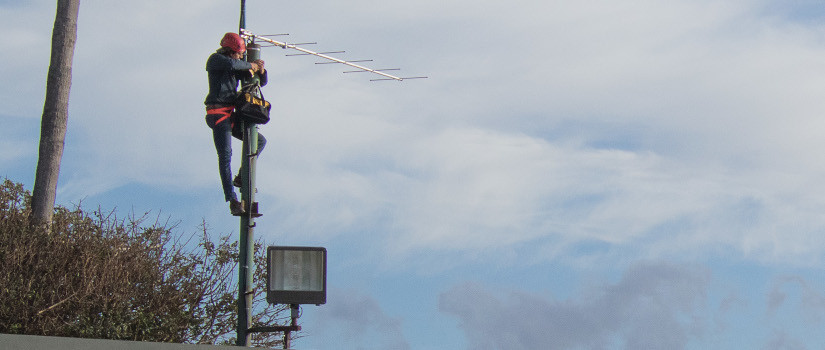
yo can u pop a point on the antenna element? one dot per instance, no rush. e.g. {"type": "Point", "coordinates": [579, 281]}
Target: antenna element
{"type": "Point", "coordinates": [248, 35]}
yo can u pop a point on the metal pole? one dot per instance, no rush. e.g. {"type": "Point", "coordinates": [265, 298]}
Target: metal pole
{"type": "Point", "coordinates": [246, 253]}
{"type": "Point", "coordinates": [242, 24]}
{"type": "Point", "coordinates": [247, 234]}
{"type": "Point", "coordinates": [294, 314]}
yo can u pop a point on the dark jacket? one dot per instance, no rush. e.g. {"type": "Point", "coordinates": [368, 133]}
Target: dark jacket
{"type": "Point", "coordinates": [224, 73]}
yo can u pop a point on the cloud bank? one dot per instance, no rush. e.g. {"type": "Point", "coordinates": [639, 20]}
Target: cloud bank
{"type": "Point", "coordinates": [652, 307]}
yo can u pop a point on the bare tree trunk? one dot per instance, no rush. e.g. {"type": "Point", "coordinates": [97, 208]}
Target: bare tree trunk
{"type": "Point", "coordinates": [55, 111]}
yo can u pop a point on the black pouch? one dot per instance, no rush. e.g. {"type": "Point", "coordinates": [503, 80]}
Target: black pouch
{"type": "Point", "coordinates": [250, 108]}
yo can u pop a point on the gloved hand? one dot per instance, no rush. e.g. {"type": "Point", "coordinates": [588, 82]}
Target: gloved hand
{"type": "Point", "coordinates": [260, 64]}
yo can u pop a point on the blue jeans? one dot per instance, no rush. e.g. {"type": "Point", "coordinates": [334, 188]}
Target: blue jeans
{"type": "Point", "coordinates": [222, 135]}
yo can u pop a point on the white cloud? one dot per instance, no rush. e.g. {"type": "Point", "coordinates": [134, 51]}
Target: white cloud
{"type": "Point", "coordinates": [641, 130]}
{"type": "Point", "coordinates": [353, 320]}
{"type": "Point", "coordinates": [653, 306]}
{"type": "Point", "coordinates": [552, 122]}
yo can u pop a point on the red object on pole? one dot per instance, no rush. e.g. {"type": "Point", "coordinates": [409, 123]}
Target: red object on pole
{"type": "Point", "coordinates": [234, 42]}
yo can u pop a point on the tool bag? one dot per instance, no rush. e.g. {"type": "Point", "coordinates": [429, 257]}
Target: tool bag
{"type": "Point", "coordinates": [249, 107]}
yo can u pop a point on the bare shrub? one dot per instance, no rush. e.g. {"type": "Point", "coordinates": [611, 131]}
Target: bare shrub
{"type": "Point", "coordinates": [97, 276]}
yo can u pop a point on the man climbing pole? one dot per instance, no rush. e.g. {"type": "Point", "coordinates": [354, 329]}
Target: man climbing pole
{"type": "Point", "coordinates": [225, 68]}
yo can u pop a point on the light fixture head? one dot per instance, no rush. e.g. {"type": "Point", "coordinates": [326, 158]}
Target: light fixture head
{"type": "Point", "coordinates": [296, 275]}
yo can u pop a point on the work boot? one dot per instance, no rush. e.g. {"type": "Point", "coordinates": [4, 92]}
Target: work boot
{"type": "Point", "coordinates": [236, 207]}
{"type": "Point", "coordinates": [237, 182]}
{"type": "Point", "coordinates": [254, 210]}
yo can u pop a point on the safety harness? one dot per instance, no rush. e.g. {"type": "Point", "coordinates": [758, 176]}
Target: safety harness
{"type": "Point", "coordinates": [223, 112]}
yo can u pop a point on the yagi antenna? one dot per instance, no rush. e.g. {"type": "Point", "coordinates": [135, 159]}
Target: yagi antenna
{"type": "Point", "coordinates": [332, 60]}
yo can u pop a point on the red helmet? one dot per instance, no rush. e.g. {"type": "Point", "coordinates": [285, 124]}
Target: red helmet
{"type": "Point", "coordinates": [234, 42]}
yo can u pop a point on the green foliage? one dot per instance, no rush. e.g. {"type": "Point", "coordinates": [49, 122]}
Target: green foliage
{"type": "Point", "coordinates": [97, 276]}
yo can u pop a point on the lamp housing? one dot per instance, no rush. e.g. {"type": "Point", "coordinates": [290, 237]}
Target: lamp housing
{"type": "Point", "coordinates": [296, 275]}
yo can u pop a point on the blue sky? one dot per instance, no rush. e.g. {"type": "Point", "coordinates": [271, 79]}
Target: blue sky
{"type": "Point", "coordinates": [573, 175]}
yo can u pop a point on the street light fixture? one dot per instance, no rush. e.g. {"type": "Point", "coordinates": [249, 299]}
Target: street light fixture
{"type": "Point", "coordinates": [296, 275]}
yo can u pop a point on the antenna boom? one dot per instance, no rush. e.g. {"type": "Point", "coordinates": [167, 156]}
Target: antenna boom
{"type": "Point", "coordinates": [246, 34]}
